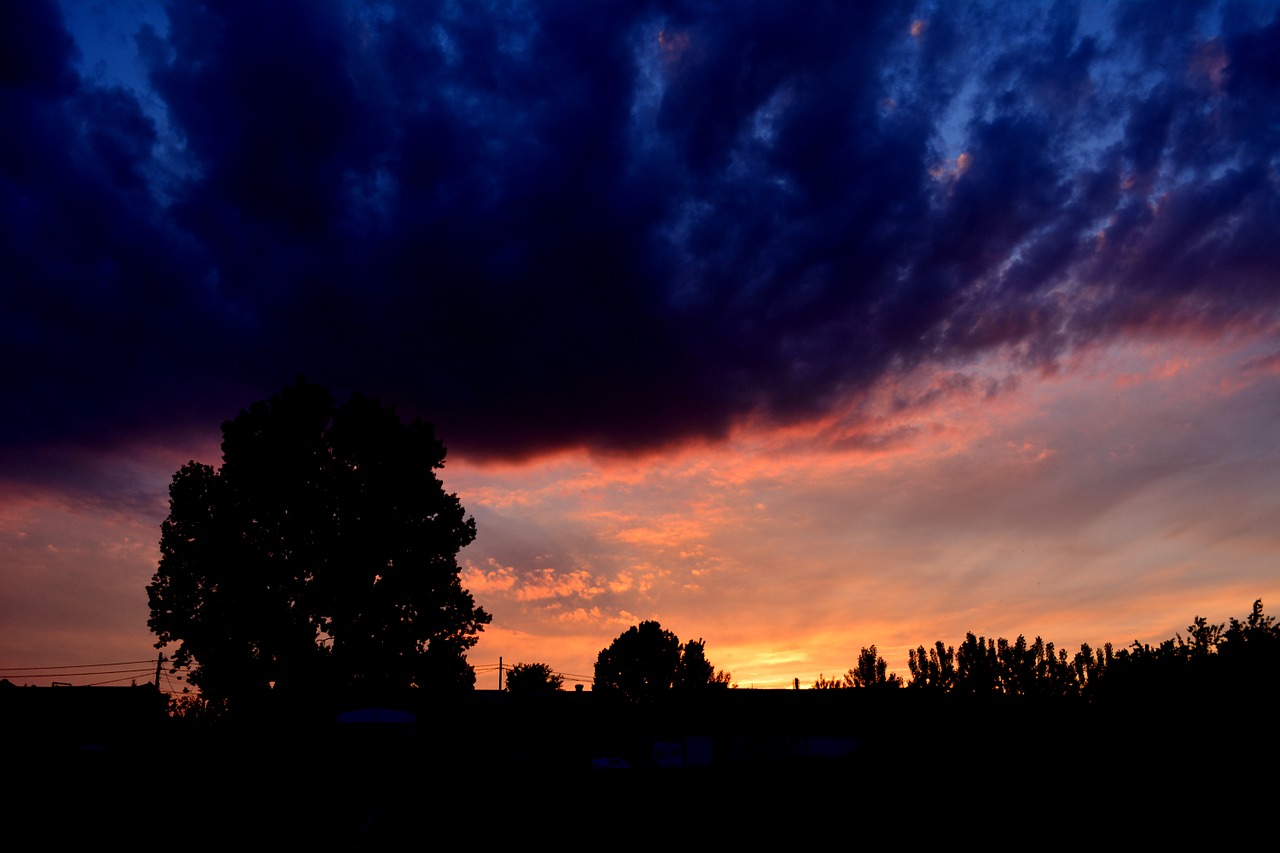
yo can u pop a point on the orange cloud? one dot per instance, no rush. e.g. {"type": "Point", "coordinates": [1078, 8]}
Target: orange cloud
{"type": "Point", "coordinates": [936, 503]}
{"type": "Point", "coordinates": [548, 583]}
{"type": "Point", "coordinates": [479, 581]}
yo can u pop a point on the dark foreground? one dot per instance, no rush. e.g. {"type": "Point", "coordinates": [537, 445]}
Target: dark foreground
{"type": "Point", "coordinates": [489, 770]}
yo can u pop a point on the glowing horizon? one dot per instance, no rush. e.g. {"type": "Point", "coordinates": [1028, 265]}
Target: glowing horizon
{"type": "Point", "coordinates": [682, 552]}
{"type": "Point", "coordinates": [797, 333]}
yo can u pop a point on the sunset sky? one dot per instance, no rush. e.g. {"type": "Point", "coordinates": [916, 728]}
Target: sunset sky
{"type": "Point", "coordinates": [796, 327]}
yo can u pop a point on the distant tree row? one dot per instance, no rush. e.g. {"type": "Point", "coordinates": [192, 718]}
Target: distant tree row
{"type": "Point", "coordinates": [642, 663]}
{"type": "Point", "coordinates": [871, 671]}
{"type": "Point", "coordinates": [1210, 656]}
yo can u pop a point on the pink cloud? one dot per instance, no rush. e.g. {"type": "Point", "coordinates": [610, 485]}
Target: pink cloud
{"type": "Point", "coordinates": [1058, 506]}
{"type": "Point", "coordinates": [1110, 500]}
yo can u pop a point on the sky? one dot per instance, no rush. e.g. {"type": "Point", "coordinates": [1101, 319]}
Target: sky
{"type": "Point", "coordinates": [795, 328]}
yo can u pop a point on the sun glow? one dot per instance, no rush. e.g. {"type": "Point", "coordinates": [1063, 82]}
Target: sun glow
{"type": "Point", "coordinates": [933, 504]}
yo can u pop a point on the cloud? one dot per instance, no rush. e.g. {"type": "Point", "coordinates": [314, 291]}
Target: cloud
{"type": "Point", "coordinates": [72, 580]}
{"type": "Point", "coordinates": [878, 321]}
{"type": "Point", "coordinates": [547, 583]}
{"type": "Point", "coordinates": [1094, 506]}
{"type": "Point", "coordinates": [544, 229]}
{"type": "Point", "coordinates": [481, 582]}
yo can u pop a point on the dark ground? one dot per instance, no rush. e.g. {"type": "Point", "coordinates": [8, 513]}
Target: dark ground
{"type": "Point", "coordinates": [490, 772]}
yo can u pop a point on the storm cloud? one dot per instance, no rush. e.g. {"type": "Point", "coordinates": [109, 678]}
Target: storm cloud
{"type": "Point", "coordinates": [614, 226]}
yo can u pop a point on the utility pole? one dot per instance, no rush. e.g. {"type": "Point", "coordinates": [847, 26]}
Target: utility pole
{"type": "Point", "coordinates": [159, 661]}
{"type": "Point", "coordinates": [499, 673]}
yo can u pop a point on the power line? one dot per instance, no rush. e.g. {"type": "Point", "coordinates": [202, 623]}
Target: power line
{"type": "Point", "coordinates": [130, 672]}
{"type": "Point", "coordinates": [490, 668]}
{"type": "Point", "coordinates": [111, 681]}
{"type": "Point", "coordinates": [72, 666]}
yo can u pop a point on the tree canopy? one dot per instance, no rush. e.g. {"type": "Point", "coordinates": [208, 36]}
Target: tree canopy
{"type": "Point", "coordinates": [871, 671]}
{"type": "Point", "coordinates": [322, 554]}
{"type": "Point", "coordinates": [646, 660]}
{"type": "Point", "coordinates": [1211, 657]}
{"type": "Point", "coordinates": [532, 678]}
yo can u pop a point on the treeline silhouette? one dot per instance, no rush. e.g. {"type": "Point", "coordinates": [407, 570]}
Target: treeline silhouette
{"type": "Point", "coordinates": [1210, 657]}
{"type": "Point", "coordinates": [987, 736]}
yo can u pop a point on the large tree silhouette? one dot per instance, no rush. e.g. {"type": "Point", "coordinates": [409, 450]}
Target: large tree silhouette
{"type": "Point", "coordinates": [321, 555]}
{"type": "Point", "coordinates": [647, 660]}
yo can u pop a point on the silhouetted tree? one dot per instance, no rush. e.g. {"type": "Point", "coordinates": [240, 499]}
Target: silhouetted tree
{"type": "Point", "coordinates": [1090, 667]}
{"type": "Point", "coordinates": [532, 678]}
{"type": "Point", "coordinates": [977, 666]}
{"type": "Point", "coordinates": [935, 670]}
{"type": "Point", "coordinates": [1250, 652]}
{"type": "Point", "coordinates": [695, 671]}
{"type": "Point", "coordinates": [870, 671]}
{"type": "Point", "coordinates": [1054, 675]}
{"type": "Point", "coordinates": [1211, 659]}
{"type": "Point", "coordinates": [646, 660]}
{"type": "Point", "coordinates": [1257, 628]}
{"type": "Point", "coordinates": [321, 554]}
{"type": "Point", "coordinates": [640, 663]}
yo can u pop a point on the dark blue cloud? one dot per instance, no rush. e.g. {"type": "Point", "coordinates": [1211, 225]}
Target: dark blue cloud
{"type": "Point", "coordinates": [555, 223]}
